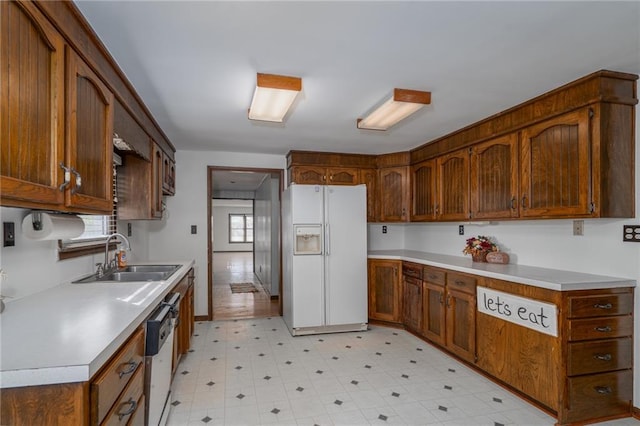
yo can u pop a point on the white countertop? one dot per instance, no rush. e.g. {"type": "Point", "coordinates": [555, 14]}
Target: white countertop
{"type": "Point", "coordinates": [553, 279]}
{"type": "Point", "coordinates": [66, 334]}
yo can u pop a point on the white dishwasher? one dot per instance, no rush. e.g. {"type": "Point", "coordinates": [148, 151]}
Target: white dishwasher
{"type": "Point", "coordinates": [158, 359]}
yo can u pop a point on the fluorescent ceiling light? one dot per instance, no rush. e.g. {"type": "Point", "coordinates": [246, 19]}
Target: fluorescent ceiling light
{"type": "Point", "coordinates": [273, 97]}
{"type": "Point", "coordinates": [398, 106]}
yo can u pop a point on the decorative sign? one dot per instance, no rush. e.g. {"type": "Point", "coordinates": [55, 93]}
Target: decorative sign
{"type": "Point", "coordinates": [533, 314]}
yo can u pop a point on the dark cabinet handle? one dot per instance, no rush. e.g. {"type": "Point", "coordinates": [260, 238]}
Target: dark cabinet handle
{"type": "Point", "coordinates": [448, 300]}
{"type": "Point", "coordinates": [130, 367]}
{"type": "Point", "coordinates": [78, 180]}
{"type": "Point", "coordinates": [458, 282]}
{"type": "Point", "coordinates": [603, 390]}
{"type": "Point", "coordinates": [603, 357]}
{"type": "Point", "coordinates": [132, 407]}
{"type": "Point", "coordinates": [524, 201]}
{"type": "Point", "coordinates": [67, 177]}
{"type": "Point", "coordinates": [601, 306]}
{"type": "Point", "coordinates": [441, 299]}
{"type": "Point", "coordinates": [605, 329]}
{"type": "Point", "coordinates": [432, 277]}
{"type": "Point", "coordinates": [514, 203]}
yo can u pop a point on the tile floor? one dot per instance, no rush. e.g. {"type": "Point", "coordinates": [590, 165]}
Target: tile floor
{"type": "Point", "coordinates": [253, 372]}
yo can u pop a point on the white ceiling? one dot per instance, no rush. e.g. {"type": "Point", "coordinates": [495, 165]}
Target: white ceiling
{"type": "Point", "coordinates": [194, 63]}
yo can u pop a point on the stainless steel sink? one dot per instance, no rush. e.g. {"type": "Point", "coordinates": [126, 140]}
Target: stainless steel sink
{"type": "Point", "coordinates": [133, 273]}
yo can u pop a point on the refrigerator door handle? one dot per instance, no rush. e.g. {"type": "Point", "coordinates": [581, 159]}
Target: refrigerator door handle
{"type": "Point", "coordinates": [327, 241]}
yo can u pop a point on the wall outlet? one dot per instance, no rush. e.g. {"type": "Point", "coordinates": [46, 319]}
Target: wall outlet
{"type": "Point", "coordinates": [631, 233]}
{"type": "Point", "coordinates": [578, 227]}
{"type": "Point", "coordinates": [384, 229]}
{"type": "Point", "coordinates": [460, 229]}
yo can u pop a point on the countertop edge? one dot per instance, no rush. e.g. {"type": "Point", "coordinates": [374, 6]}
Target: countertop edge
{"type": "Point", "coordinates": [430, 259]}
{"type": "Point", "coordinates": [53, 375]}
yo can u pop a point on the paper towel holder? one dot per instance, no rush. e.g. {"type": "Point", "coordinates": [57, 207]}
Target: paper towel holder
{"type": "Point", "coordinates": [36, 220]}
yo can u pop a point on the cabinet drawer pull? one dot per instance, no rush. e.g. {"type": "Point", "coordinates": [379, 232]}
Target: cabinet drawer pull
{"type": "Point", "coordinates": [432, 277]}
{"type": "Point", "coordinates": [603, 357]}
{"type": "Point", "coordinates": [67, 177]}
{"type": "Point", "coordinates": [458, 282]}
{"type": "Point", "coordinates": [601, 306]}
{"type": "Point", "coordinates": [603, 390]}
{"type": "Point", "coordinates": [448, 300]}
{"type": "Point", "coordinates": [78, 180]}
{"type": "Point", "coordinates": [514, 203]}
{"type": "Point", "coordinates": [130, 367]}
{"type": "Point", "coordinates": [524, 201]}
{"type": "Point", "coordinates": [441, 299]}
{"type": "Point", "coordinates": [132, 407]}
{"type": "Point", "coordinates": [605, 329]}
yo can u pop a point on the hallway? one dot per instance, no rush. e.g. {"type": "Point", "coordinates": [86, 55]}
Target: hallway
{"type": "Point", "coordinates": [237, 267]}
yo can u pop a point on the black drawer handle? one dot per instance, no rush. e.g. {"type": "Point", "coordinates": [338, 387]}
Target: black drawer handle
{"type": "Point", "coordinates": [458, 282]}
{"type": "Point", "coordinates": [603, 390]}
{"type": "Point", "coordinates": [605, 329]}
{"type": "Point", "coordinates": [603, 357]}
{"type": "Point", "coordinates": [130, 368]}
{"type": "Point", "coordinates": [601, 306]}
{"type": "Point", "coordinates": [132, 407]}
{"type": "Point", "coordinates": [433, 277]}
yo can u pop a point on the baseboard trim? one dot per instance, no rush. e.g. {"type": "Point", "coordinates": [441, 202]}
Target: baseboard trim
{"type": "Point", "coordinates": [201, 318]}
{"type": "Point", "coordinates": [635, 413]}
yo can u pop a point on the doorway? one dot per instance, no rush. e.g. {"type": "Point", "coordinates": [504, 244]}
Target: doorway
{"type": "Point", "coordinates": [244, 267]}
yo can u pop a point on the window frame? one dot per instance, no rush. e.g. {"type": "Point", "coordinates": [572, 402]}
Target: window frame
{"type": "Point", "coordinates": [244, 228]}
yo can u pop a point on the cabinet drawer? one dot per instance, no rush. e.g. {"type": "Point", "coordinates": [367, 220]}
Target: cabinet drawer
{"type": "Point", "coordinates": [108, 385]}
{"type": "Point", "coordinates": [599, 356]}
{"type": "Point", "coordinates": [433, 275]}
{"type": "Point", "coordinates": [600, 305]}
{"type": "Point", "coordinates": [459, 282]}
{"type": "Point", "coordinates": [137, 418]}
{"type": "Point", "coordinates": [126, 407]}
{"type": "Point", "coordinates": [600, 395]}
{"type": "Point", "coordinates": [412, 270]}
{"type": "Point", "coordinates": [600, 328]}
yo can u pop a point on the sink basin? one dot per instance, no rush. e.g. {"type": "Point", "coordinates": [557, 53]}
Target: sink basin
{"type": "Point", "coordinates": [133, 273]}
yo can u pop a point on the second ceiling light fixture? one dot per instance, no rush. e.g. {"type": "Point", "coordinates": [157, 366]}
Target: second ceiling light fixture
{"type": "Point", "coordinates": [274, 95]}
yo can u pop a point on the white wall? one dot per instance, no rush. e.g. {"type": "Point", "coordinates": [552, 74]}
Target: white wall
{"type": "Point", "coordinates": [220, 235]}
{"type": "Point", "coordinates": [267, 237]}
{"type": "Point", "coordinates": [33, 266]}
{"type": "Point", "coordinates": [170, 238]}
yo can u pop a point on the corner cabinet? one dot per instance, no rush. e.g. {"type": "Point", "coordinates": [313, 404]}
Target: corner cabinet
{"type": "Point", "coordinates": [56, 153]}
{"type": "Point", "coordinates": [385, 280]}
{"type": "Point", "coordinates": [393, 187]}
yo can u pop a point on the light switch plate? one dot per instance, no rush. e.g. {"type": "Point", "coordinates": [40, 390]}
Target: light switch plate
{"type": "Point", "coordinates": [578, 227]}
{"type": "Point", "coordinates": [460, 229]}
{"type": "Point", "coordinates": [194, 229]}
{"type": "Point", "coordinates": [9, 234]}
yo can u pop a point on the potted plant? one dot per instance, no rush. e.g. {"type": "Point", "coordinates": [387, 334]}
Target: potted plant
{"type": "Point", "coordinates": [478, 247]}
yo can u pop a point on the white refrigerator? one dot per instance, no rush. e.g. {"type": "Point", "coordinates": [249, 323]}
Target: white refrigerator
{"type": "Point", "coordinates": [324, 258]}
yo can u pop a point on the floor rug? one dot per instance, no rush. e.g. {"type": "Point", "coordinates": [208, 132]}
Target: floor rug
{"type": "Point", "coordinates": [243, 288]}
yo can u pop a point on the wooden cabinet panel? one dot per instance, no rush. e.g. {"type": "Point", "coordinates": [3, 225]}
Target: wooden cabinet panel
{"type": "Point", "coordinates": [599, 356]}
{"type": "Point", "coordinates": [307, 175]}
{"type": "Point", "coordinates": [433, 312]}
{"type": "Point", "coordinates": [343, 176]}
{"type": "Point", "coordinates": [600, 305]}
{"type": "Point", "coordinates": [412, 303]}
{"type": "Point", "coordinates": [461, 324]}
{"type": "Point", "coordinates": [89, 137]}
{"type": "Point", "coordinates": [393, 185]}
{"type": "Point", "coordinates": [600, 395]}
{"type": "Point", "coordinates": [126, 406]}
{"type": "Point", "coordinates": [168, 175]}
{"type": "Point", "coordinates": [494, 178]}
{"type": "Point", "coordinates": [108, 385]}
{"type": "Point", "coordinates": [461, 282]}
{"type": "Point", "coordinates": [369, 177]}
{"type": "Point", "coordinates": [453, 186]}
{"type": "Point", "coordinates": [31, 106]}
{"type": "Point", "coordinates": [600, 328]}
{"type": "Point", "coordinates": [423, 184]}
{"type": "Point", "coordinates": [156, 181]}
{"type": "Point", "coordinates": [555, 166]}
{"type": "Point", "coordinates": [384, 290]}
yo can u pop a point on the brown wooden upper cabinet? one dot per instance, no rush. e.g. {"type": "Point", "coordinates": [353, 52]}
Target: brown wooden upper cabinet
{"type": "Point", "coordinates": [393, 187]}
{"type": "Point", "coordinates": [42, 164]}
{"type": "Point", "coordinates": [555, 164]}
{"type": "Point", "coordinates": [423, 182]}
{"type": "Point", "coordinates": [168, 175]}
{"type": "Point", "coordinates": [453, 186]}
{"type": "Point", "coordinates": [317, 175]}
{"type": "Point", "coordinates": [369, 177]}
{"type": "Point", "coordinates": [494, 178]}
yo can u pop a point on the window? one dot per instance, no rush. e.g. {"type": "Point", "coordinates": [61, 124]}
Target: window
{"type": "Point", "coordinates": [240, 228]}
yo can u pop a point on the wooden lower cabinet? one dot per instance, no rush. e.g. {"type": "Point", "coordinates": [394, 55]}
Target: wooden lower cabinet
{"type": "Point", "coordinates": [585, 372]}
{"type": "Point", "coordinates": [185, 327]}
{"type": "Point", "coordinates": [412, 296]}
{"type": "Point", "coordinates": [385, 278]}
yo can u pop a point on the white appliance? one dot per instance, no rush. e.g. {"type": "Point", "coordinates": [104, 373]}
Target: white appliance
{"type": "Point", "coordinates": [324, 258]}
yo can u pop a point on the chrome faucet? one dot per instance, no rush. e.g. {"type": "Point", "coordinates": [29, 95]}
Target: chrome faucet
{"type": "Point", "coordinates": [104, 267]}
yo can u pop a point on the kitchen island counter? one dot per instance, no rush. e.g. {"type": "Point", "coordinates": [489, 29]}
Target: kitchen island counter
{"type": "Point", "coordinates": [67, 333]}
{"type": "Point", "coordinates": [552, 279]}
